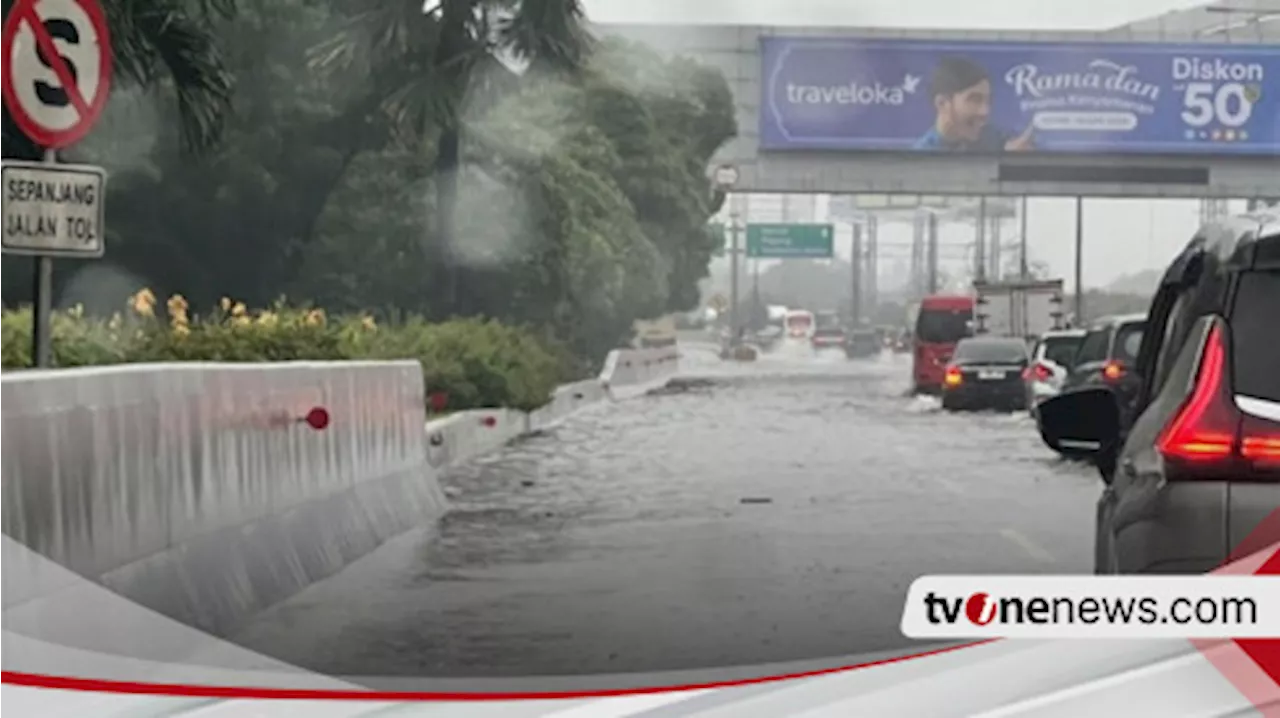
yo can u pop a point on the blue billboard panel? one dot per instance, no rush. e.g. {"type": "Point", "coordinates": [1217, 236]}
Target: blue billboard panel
{"type": "Point", "coordinates": [993, 97]}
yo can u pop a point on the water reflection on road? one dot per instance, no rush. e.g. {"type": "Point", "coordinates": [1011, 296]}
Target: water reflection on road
{"type": "Point", "coordinates": [777, 510]}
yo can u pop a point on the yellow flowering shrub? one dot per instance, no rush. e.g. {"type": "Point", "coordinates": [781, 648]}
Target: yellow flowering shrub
{"type": "Point", "coordinates": [476, 363]}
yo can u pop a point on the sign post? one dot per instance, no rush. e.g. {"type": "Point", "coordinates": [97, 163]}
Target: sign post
{"type": "Point", "coordinates": [723, 179]}
{"type": "Point", "coordinates": [735, 232]}
{"type": "Point", "coordinates": [55, 80]}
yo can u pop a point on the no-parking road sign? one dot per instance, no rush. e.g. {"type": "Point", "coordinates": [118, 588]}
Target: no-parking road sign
{"type": "Point", "coordinates": [57, 68]}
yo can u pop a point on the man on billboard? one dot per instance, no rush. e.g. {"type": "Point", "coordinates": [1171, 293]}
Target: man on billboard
{"type": "Point", "coordinates": [961, 92]}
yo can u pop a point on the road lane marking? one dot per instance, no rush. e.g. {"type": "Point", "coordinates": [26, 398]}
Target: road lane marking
{"type": "Point", "coordinates": [1026, 544]}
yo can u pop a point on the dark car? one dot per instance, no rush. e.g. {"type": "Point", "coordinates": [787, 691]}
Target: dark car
{"type": "Point", "coordinates": [828, 338]}
{"type": "Point", "coordinates": [986, 373]}
{"type": "Point", "coordinates": [1106, 355]}
{"type": "Point", "coordinates": [1191, 461]}
{"type": "Point", "coordinates": [862, 343]}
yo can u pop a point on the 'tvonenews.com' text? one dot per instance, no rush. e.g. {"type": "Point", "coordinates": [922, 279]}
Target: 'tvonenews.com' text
{"type": "Point", "coordinates": [1093, 607]}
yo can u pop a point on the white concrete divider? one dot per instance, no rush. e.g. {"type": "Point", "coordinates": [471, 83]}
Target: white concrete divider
{"type": "Point", "coordinates": [197, 490]}
{"type": "Point", "coordinates": [471, 433]}
{"type": "Point", "coordinates": [460, 436]}
{"type": "Point", "coordinates": [630, 372]}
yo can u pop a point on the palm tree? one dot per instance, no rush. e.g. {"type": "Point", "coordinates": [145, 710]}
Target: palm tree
{"type": "Point", "coordinates": [427, 61]}
{"type": "Point", "coordinates": [159, 44]}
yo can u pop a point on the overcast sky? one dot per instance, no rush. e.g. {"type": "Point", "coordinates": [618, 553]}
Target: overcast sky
{"type": "Point", "coordinates": [1121, 236]}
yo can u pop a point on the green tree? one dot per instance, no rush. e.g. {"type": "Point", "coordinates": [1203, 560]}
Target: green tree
{"type": "Point", "coordinates": [579, 198]}
{"type": "Point", "coordinates": [666, 118]}
{"type": "Point", "coordinates": [434, 61]}
{"type": "Point", "coordinates": [612, 166]}
{"type": "Point", "coordinates": [241, 220]}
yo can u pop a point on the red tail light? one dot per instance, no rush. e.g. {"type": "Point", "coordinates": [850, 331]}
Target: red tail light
{"type": "Point", "coordinates": [1260, 440]}
{"type": "Point", "coordinates": [1209, 428]}
{"type": "Point", "coordinates": [952, 377]}
{"type": "Point", "coordinates": [1113, 370]}
{"type": "Point", "coordinates": [1037, 372]}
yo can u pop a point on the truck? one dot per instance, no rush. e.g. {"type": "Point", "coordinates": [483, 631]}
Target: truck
{"type": "Point", "coordinates": [827, 319]}
{"type": "Point", "coordinates": [1018, 308]}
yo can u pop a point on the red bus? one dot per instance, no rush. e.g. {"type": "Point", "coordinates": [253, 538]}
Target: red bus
{"type": "Point", "coordinates": [942, 322]}
{"type": "Point", "coordinates": [800, 324]}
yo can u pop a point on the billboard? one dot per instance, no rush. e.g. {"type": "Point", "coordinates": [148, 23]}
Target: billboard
{"type": "Point", "coordinates": [995, 97]}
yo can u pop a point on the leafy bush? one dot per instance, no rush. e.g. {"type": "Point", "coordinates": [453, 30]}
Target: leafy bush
{"type": "Point", "coordinates": [476, 363]}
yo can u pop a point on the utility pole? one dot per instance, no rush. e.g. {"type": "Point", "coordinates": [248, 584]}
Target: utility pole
{"type": "Point", "coordinates": [855, 262]}
{"type": "Point", "coordinates": [873, 265]}
{"type": "Point", "coordinates": [980, 246]}
{"type": "Point", "coordinates": [996, 254]}
{"type": "Point", "coordinates": [933, 252]}
{"type": "Point", "coordinates": [755, 290]}
{"type": "Point", "coordinates": [1024, 267]}
{"type": "Point", "coordinates": [917, 254]}
{"type": "Point", "coordinates": [1079, 309]}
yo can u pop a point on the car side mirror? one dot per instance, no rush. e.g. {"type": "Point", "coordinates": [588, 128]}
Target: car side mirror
{"type": "Point", "coordinates": [1083, 424]}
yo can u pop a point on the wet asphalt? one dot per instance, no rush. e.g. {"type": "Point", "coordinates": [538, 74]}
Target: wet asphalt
{"type": "Point", "coordinates": [750, 514]}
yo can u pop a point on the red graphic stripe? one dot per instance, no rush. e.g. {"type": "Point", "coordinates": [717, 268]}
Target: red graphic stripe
{"type": "Point", "coordinates": [1253, 665]}
{"type": "Point", "coordinates": [96, 685]}
{"type": "Point", "coordinates": [26, 10]}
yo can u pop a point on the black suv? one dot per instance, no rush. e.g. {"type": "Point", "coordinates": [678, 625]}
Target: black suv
{"type": "Point", "coordinates": [1191, 461]}
{"type": "Point", "coordinates": [1106, 355]}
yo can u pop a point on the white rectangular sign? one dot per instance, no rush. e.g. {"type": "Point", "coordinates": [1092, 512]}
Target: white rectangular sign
{"type": "Point", "coordinates": [1158, 606]}
{"type": "Point", "coordinates": [53, 210]}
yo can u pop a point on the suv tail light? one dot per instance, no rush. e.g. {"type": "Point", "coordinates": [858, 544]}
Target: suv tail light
{"type": "Point", "coordinates": [952, 377]}
{"type": "Point", "coordinates": [1209, 428]}
{"type": "Point", "coordinates": [1260, 440]}
{"type": "Point", "coordinates": [1113, 370]}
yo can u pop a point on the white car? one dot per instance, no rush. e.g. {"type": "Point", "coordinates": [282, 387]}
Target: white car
{"type": "Point", "coordinates": [1050, 359]}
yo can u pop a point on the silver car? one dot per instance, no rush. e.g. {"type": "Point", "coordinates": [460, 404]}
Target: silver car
{"type": "Point", "coordinates": [1051, 358]}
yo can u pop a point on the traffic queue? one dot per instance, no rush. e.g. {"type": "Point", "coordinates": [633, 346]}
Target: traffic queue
{"type": "Point", "coordinates": [1177, 408]}
{"type": "Point", "coordinates": [819, 333]}
{"type": "Point", "coordinates": [971, 367]}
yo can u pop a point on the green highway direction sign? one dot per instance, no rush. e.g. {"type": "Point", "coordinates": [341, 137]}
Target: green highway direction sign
{"type": "Point", "coordinates": [780, 241]}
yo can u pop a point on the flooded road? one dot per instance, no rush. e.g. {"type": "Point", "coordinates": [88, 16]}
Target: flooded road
{"type": "Point", "coordinates": [765, 512]}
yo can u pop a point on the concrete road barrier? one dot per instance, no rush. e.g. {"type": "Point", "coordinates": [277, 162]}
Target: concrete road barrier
{"type": "Point", "coordinates": [474, 432]}
{"type": "Point", "coordinates": [628, 372]}
{"type": "Point", "coordinates": [198, 490]}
